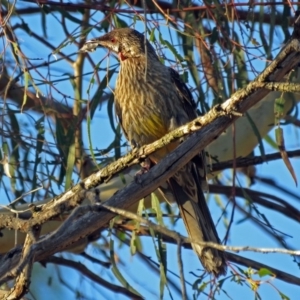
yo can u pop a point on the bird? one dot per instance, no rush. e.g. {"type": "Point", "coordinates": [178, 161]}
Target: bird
{"type": "Point", "coordinates": [150, 101]}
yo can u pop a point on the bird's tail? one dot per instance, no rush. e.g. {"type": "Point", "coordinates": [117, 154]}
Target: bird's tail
{"type": "Point", "coordinates": [186, 188]}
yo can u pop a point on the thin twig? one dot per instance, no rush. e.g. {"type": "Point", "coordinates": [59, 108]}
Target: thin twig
{"type": "Point", "coordinates": [176, 236]}
{"type": "Point", "coordinates": [180, 267]}
{"type": "Point", "coordinates": [92, 276]}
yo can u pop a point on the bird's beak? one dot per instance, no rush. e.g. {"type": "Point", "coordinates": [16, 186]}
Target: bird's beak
{"type": "Point", "coordinates": [91, 45]}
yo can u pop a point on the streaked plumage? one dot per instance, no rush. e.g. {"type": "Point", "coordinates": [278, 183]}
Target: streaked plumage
{"type": "Point", "coordinates": [150, 101]}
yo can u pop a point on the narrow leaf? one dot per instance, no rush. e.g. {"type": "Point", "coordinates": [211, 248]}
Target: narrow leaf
{"type": "Point", "coordinates": [132, 243]}
{"type": "Point", "coordinates": [259, 139]}
{"type": "Point", "coordinates": [5, 164]}
{"type": "Point", "coordinates": [285, 158]}
{"type": "Point", "coordinates": [283, 296]}
{"type": "Point", "coordinates": [70, 165]}
{"type": "Point", "coordinates": [88, 123]}
{"type": "Point", "coordinates": [117, 273]}
{"type": "Point", "coordinates": [26, 81]}
{"type": "Point", "coordinates": [155, 204]}
{"type": "Point", "coordinates": [264, 272]}
{"type": "Point", "coordinates": [279, 109]}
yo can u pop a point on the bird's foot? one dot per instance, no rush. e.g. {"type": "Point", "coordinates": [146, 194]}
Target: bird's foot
{"type": "Point", "coordinates": [145, 167]}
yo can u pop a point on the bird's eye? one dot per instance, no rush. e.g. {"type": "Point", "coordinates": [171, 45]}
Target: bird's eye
{"type": "Point", "coordinates": [113, 40]}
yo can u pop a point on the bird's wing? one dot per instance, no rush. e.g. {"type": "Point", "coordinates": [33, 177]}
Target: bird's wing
{"type": "Point", "coordinates": [189, 105]}
{"type": "Point", "coordinates": [186, 186]}
{"type": "Point", "coordinates": [184, 94]}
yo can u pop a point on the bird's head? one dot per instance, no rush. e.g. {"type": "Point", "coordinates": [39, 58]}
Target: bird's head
{"type": "Point", "coordinates": [125, 42]}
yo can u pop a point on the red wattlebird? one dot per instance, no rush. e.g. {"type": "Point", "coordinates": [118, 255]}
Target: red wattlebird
{"type": "Point", "coordinates": [150, 101]}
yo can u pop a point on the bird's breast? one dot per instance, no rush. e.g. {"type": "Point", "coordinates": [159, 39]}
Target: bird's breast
{"type": "Point", "coordinates": [145, 103]}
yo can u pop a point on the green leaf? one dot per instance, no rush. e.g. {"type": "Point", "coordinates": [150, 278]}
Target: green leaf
{"type": "Point", "coordinates": [119, 23]}
{"type": "Point", "coordinates": [70, 166]}
{"type": "Point", "coordinates": [279, 109]}
{"type": "Point", "coordinates": [141, 207]}
{"type": "Point", "coordinates": [242, 72]}
{"type": "Point", "coordinates": [152, 35]}
{"type": "Point", "coordinates": [26, 81]}
{"type": "Point", "coordinates": [40, 139]}
{"type": "Point", "coordinates": [162, 267]}
{"type": "Point", "coordinates": [214, 37]}
{"type": "Point", "coordinates": [16, 131]}
{"type": "Point", "coordinates": [132, 243]}
{"type": "Point", "coordinates": [12, 172]}
{"type": "Point", "coordinates": [6, 166]}
{"type": "Point", "coordinates": [240, 270]}
{"type": "Point", "coordinates": [254, 42]}
{"type": "Point", "coordinates": [155, 204]}
{"type": "Point", "coordinates": [88, 124]}
{"type": "Point", "coordinates": [60, 138]}
{"type": "Point", "coordinates": [264, 272]}
{"type": "Point", "coordinates": [279, 137]}
{"type": "Point", "coordinates": [15, 51]}
{"type": "Point", "coordinates": [280, 142]}
{"type": "Point", "coordinates": [271, 142]}
{"type": "Point", "coordinates": [257, 134]}
{"type": "Point", "coordinates": [171, 48]}
{"type": "Point", "coordinates": [117, 273]}
{"type": "Point", "coordinates": [283, 296]}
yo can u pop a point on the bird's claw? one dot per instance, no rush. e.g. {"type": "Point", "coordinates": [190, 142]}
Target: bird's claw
{"type": "Point", "coordinates": [145, 167]}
